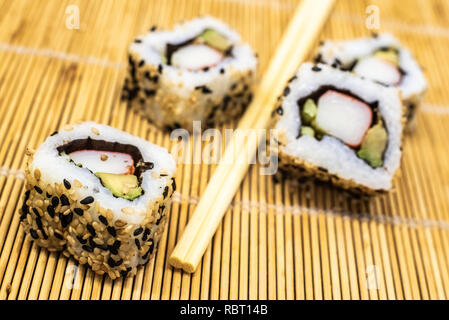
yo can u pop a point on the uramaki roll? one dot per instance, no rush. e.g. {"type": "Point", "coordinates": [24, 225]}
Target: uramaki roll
{"type": "Point", "coordinates": [100, 195]}
{"type": "Point", "coordinates": [338, 127]}
{"type": "Point", "coordinates": [200, 70]}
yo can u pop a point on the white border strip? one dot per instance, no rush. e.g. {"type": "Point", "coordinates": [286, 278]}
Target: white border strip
{"type": "Point", "coordinates": [435, 109]}
{"type": "Point", "coordinates": [6, 47]}
{"type": "Point", "coordinates": [263, 207]}
{"type": "Point", "coordinates": [299, 210]}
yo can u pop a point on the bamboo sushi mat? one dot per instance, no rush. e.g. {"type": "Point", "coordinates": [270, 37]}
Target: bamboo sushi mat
{"type": "Point", "coordinates": [277, 240]}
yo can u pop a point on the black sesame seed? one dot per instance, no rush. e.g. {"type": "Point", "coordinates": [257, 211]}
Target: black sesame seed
{"type": "Point", "coordinates": [112, 231]}
{"type": "Point", "coordinates": [286, 91]}
{"type": "Point", "coordinates": [165, 193]}
{"type": "Point", "coordinates": [316, 69]}
{"type": "Point", "coordinates": [113, 250]}
{"type": "Point", "coordinates": [116, 245]}
{"type": "Point", "coordinates": [81, 240]}
{"type": "Point", "coordinates": [67, 184]}
{"type": "Point", "coordinates": [39, 222]}
{"type": "Point", "coordinates": [141, 63]}
{"type": "Point", "coordinates": [138, 231]}
{"type": "Point", "coordinates": [173, 184]}
{"type": "Point", "coordinates": [79, 211]}
{"type": "Point", "coordinates": [145, 234]}
{"type": "Point", "coordinates": [138, 41]}
{"type": "Point", "coordinates": [102, 247]}
{"type": "Point", "coordinates": [206, 90]}
{"type": "Point", "coordinates": [119, 262]}
{"type": "Point", "coordinates": [87, 248]}
{"type": "Point", "coordinates": [38, 190]}
{"type": "Point", "coordinates": [153, 28]}
{"type": "Point", "coordinates": [59, 236]}
{"type": "Point", "coordinates": [280, 111]}
{"type": "Point", "coordinates": [87, 200]}
{"type": "Point", "coordinates": [317, 58]}
{"type": "Point", "coordinates": [33, 233]}
{"type": "Point", "coordinates": [91, 230]}
{"type": "Point", "coordinates": [25, 209]}
{"type": "Point", "coordinates": [54, 201]}
{"type": "Point", "coordinates": [149, 92]}
{"type": "Point", "coordinates": [103, 220]}
{"type": "Point", "coordinates": [48, 195]}
{"type": "Point", "coordinates": [36, 212]}
{"type": "Point", "coordinates": [51, 211]}
{"type": "Point", "coordinates": [160, 68]}
{"type": "Point", "coordinates": [111, 262]}
{"type": "Point", "coordinates": [64, 200]}
{"type": "Point", "coordinates": [66, 219]}
{"type": "Point", "coordinates": [137, 243]}
{"type": "Point", "coordinates": [147, 75]}
{"type": "Point", "coordinates": [54, 133]}
{"type": "Point", "coordinates": [206, 69]}
{"type": "Point", "coordinates": [92, 242]}
{"type": "Point", "coordinates": [155, 79]}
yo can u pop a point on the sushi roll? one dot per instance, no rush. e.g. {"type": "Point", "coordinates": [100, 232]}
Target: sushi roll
{"type": "Point", "coordinates": [338, 127]}
{"type": "Point", "coordinates": [383, 59]}
{"type": "Point", "coordinates": [99, 195]}
{"type": "Point", "coordinates": [198, 71]}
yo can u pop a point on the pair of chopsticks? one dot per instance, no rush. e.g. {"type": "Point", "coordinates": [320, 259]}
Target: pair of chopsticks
{"type": "Point", "coordinates": [295, 44]}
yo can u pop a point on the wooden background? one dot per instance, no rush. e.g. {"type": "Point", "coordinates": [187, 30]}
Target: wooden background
{"type": "Point", "coordinates": [277, 241]}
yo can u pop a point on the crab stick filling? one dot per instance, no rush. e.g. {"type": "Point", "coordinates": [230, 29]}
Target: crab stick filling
{"type": "Point", "coordinates": [347, 118]}
{"type": "Point", "coordinates": [382, 66]}
{"type": "Point", "coordinates": [204, 51]}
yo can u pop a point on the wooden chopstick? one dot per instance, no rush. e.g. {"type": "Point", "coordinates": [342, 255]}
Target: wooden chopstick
{"type": "Point", "coordinates": [301, 33]}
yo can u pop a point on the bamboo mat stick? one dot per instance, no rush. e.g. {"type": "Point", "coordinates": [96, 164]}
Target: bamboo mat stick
{"type": "Point", "coordinates": [290, 53]}
{"type": "Point", "coordinates": [289, 241]}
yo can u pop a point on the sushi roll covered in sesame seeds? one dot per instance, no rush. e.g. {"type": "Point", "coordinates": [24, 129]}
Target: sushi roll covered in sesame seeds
{"type": "Point", "coordinates": [383, 59]}
{"type": "Point", "coordinates": [198, 71]}
{"type": "Point", "coordinates": [100, 195]}
{"type": "Point", "coordinates": [338, 127]}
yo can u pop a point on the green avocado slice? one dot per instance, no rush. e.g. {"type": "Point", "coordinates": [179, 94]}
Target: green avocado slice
{"type": "Point", "coordinates": [309, 111]}
{"type": "Point", "coordinates": [307, 131]}
{"type": "Point", "coordinates": [374, 145]}
{"type": "Point", "coordinates": [124, 186]}
{"type": "Point", "coordinates": [388, 55]}
{"type": "Point", "coordinates": [215, 40]}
